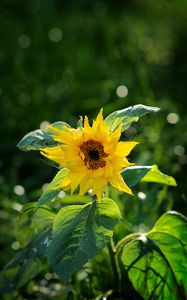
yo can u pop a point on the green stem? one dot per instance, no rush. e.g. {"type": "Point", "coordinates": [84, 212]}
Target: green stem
{"type": "Point", "coordinates": [112, 253]}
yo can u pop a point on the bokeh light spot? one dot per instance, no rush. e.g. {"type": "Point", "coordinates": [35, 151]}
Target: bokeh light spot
{"type": "Point", "coordinates": [122, 91]}
{"type": "Point", "coordinates": [179, 150]}
{"type": "Point", "coordinates": [19, 190]}
{"type": "Point", "coordinates": [43, 282]}
{"type": "Point", "coordinates": [172, 118]}
{"type": "Point", "coordinates": [44, 186]}
{"type": "Point", "coordinates": [17, 206]}
{"type": "Point", "coordinates": [44, 125]}
{"type": "Point", "coordinates": [48, 276]}
{"type": "Point", "coordinates": [141, 195]}
{"type": "Point", "coordinates": [55, 34]}
{"type": "Point", "coordinates": [15, 245]}
{"type": "Point", "coordinates": [24, 41]}
{"type": "Point", "coordinates": [62, 194]}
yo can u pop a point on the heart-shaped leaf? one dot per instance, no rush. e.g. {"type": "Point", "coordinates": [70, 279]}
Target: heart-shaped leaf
{"type": "Point", "coordinates": [156, 262]}
{"type": "Point", "coordinates": [135, 174]}
{"type": "Point", "coordinates": [36, 140]}
{"type": "Point", "coordinates": [40, 139]}
{"type": "Point", "coordinates": [128, 115]}
{"type": "Point", "coordinates": [155, 175]}
{"type": "Point", "coordinates": [79, 233]}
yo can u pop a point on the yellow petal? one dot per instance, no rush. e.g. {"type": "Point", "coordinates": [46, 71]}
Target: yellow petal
{"type": "Point", "coordinates": [86, 184]}
{"type": "Point", "coordinates": [118, 182]}
{"type": "Point", "coordinates": [63, 136]}
{"type": "Point", "coordinates": [98, 121]}
{"type": "Point", "coordinates": [117, 162]}
{"type": "Point", "coordinates": [117, 133]}
{"type": "Point", "coordinates": [76, 165]}
{"type": "Point", "coordinates": [99, 186]}
{"type": "Point", "coordinates": [55, 151]}
{"type": "Point", "coordinates": [65, 183]}
{"type": "Point", "coordinates": [109, 170]}
{"type": "Point", "coordinates": [75, 180]}
{"type": "Point", "coordinates": [51, 129]}
{"type": "Point", "coordinates": [124, 148]}
{"type": "Point", "coordinates": [98, 173]}
{"type": "Point", "coordinates": [126, 163]}
{"type": "Point", "coordinates": [87, 128]}
{"type": "Point", "coordinates": [56, 154]}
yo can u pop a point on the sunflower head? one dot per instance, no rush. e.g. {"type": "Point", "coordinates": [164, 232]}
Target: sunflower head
{"type": "Point", "coordinates": [93, 155]}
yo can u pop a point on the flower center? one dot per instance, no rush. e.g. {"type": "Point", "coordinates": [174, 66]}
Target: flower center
{"type": "Point", "coordinates": [93, 154]}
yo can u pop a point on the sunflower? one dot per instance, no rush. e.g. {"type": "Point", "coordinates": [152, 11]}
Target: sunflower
{"type": "Point", "coordinates": [93, 156]}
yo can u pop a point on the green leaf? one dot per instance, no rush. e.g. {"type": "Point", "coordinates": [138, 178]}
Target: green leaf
{"type": "Point", "coordinates": [79, 233]}
{"type": "Point", "coordinates": [31, 221]}
{"type": "Point", "coordinates": [28, 206]}
{"type": "Point", "coordinates": [30, 269]}
{"type": "Point", "coordinates": [39, 139]}
{"type": "Point", "coordinates": [128, 115]}
{"type": "Point", "coordinates": [155, 175]}
{"type": "Point", "coordinates": [74, 199]}
{"type": "Point", "coordinates": [156, 262]}
{"type": "Point", "coordinates": [58, 125]}
{"type": "Point", "coordinates": [36, 140]}
{"type": "Point", "coordinates": [80, 122]}
{"type": "Point", "coordinates": [53, 188]}
{"type": "Point", "coordinates": [135, 174]}
{"type": "Point", "coordinates": [42, 217]}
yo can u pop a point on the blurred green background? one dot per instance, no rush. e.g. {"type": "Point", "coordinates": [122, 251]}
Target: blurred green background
{"type": "Point", "coordinates": [62, 59]}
